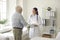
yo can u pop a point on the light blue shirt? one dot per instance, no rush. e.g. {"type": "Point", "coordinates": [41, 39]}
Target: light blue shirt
{"type": "Point", "coordinates": [18, 20]}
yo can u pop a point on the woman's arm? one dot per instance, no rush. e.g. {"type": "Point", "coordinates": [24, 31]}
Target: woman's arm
{"type": "Point", "coordinates": [39, 20]}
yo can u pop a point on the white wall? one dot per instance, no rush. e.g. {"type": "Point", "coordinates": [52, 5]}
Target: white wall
{"type": "Point", "coordinates": [40, 4]}
{"type": "Point", "coordinates": [19, 2]}
{"type": "Point", "coordinates": [25, 9]}
{"type": "Point", "coordinates": [11, 4]}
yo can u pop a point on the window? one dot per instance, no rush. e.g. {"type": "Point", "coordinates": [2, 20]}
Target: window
{"type": "Point", "coordinates": [6, 10]}
{"type": "Point", "coordinates": [3, 9]}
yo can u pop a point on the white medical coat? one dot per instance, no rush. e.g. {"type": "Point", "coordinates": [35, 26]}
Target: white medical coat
{"type": "Point", "coordinates": [34, 31]}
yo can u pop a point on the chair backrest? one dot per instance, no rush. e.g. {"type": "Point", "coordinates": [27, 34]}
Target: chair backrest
{"type": "Point", "coordinates": [58, 36]}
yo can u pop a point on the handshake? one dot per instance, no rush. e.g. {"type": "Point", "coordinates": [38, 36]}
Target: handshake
{"type": "Point", "coordinates": [36, 25]}
{"type": "Point", "coordinates": [28, 26]}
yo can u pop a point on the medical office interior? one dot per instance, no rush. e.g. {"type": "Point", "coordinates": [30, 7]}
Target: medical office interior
{"type": "Point", "coordinates": [50, 28]}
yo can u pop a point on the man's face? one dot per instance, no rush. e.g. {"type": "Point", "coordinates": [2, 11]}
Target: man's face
{"type": "Point", "coordinates": [19, 9]}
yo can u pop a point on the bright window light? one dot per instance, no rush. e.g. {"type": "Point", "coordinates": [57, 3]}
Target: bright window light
{"type": "Point", "coordinates": [3, 9]}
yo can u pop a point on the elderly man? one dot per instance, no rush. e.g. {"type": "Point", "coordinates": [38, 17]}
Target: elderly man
{"type": "Point", "coordinates": [18, 23]}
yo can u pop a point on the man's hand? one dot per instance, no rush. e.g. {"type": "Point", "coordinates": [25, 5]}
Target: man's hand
{"type": "Point", "coordinates": [36, 24]}
{"type": "Point", "coordinates": [28, 26]}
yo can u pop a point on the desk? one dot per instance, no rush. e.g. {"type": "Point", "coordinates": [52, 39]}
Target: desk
{"type": "Point", "coordinates": [42, 38]}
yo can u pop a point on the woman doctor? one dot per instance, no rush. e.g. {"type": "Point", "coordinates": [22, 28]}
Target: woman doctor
{"type": "Point", "coordinates": [34, 22]}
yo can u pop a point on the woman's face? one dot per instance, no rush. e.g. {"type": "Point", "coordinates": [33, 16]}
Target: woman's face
{"type": "Point", "coordinates": [33, 11]}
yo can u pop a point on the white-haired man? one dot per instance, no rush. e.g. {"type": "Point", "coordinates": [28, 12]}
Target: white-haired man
{"type": "Point", "coordinates": [18, 23]}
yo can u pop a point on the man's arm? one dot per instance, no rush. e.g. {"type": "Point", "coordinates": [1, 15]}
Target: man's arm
{"type": "Point", "coordinates": [23, 21]}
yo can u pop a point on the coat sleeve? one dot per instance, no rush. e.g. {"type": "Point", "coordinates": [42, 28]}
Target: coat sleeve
{"type": "Point", "coordinates": [28, 20]}
{"type": "Point", "coordinates": [40, 20]}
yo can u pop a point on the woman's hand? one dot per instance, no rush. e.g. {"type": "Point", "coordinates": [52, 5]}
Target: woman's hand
{"type": "Point", "coordinates": [36, 25]}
